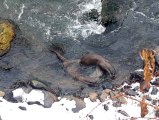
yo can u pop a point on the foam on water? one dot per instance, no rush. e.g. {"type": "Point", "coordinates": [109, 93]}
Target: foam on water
{"type": "Point", "coordinates": [76, 28]}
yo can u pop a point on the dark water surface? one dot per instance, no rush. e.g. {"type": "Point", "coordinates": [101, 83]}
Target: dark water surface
{"type": "Point", "coordinates": [58, 21]}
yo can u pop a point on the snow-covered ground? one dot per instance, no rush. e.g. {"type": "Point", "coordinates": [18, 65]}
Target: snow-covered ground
{"type": "Point", "coordinates": [62, 110]}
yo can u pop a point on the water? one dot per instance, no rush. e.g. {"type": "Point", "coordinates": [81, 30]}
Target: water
{"type": "Point", "coordinates": [59, 21]}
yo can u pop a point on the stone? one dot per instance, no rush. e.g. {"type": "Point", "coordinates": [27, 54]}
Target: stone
{"type": "Point", "coordinates": [123, 113]}
{"type": "Point", "coordinates": [106, 107]}
{"type": "Point", "coordinates": [104, 95]}
{"type": "Point", "coordinates": [116, 104]}
{"type": "Point", "coordinates": [131, 92]}
{"type": "Point", "coordinates": [114, 11]}
{"type": "Point", "coordinates": [154, 91]}
{"type": "Point", "coordinates": [9, 97]}
{"type": "Point", "coordinates": [91, 117]}
{"type": "Point", "coordinates": [6, 36]}
{"type": "Point", "coordinates": [22, 108]}
{"type": "Point", "coordinates": [80, 104]}
{"type": "Point", "coordinates": [92, 15]}
{"type": "Point", "coordinates": [2, 93]}
{"type": "Point", "coordinates": [93, 96]}
{"type": "Point", "coordinates": [49, 99]}
{"type": "Point", "coordinates": [157, 113]}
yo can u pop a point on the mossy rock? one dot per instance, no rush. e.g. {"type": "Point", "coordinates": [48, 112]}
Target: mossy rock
{"type": "Point", "coordinates": [6, 36]}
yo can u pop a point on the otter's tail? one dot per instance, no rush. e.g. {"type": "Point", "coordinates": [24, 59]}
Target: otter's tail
{"type": "Point", "coordinates": [57, 50]}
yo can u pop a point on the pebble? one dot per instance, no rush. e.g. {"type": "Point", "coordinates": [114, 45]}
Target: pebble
{"type": "Point", "coordinates": [154, 91]}
{"type": "Point", "coordinates": [157, 113]}
{"type": "Point", "coordinates": [131, 92]}
{"type": "Point", "coordinates": [2, 93]}
{"type": "Point", "coordinates": [22, 108]}
{"type": "Point", "coordinates": [93, 96]}
{"type": "Point", "coordinates": [91, 117]}
{"type": "Point", "coordinates": [49, 99]}
{"type": "Point", "coordinates": [123, 113]}
{"type": "Point", "coordinates": [106, 107]}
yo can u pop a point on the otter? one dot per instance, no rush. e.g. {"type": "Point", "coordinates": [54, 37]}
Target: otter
{"type": "Point", "coordinates": [93, 59]}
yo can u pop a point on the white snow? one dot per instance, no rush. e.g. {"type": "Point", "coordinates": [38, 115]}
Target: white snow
{"type": "Point", "coordinates": [21, 12]}
{"type": "Point", "coordinates": [62, 110]}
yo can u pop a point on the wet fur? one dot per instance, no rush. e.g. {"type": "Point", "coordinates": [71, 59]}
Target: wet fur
{"type": "Point", "coordinates": [93, 59]}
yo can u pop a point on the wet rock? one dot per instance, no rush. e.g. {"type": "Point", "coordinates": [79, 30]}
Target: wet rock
{"type": "Point", "coordinates": [156, 82]}
{"type": "Point", "coordinates": [93, 96]}
{"type": "Point", "coordinates": [6, 36]}
{"type": "Point", "coordinates": [106, 107]}
{"type": "Point", "coordinates": [34, 102]}
{"type": "Point", "coordinates": [91, 117]}
{"type": "Point", "coordinates": [117, 104]}
{"type": "Point", "coordinates": [2, 93]}
{"type": "Point", "coordinates": [9, 97]}
{"type": "Point", "coordinates": [147, 97]}
{"type": "Point", "coordinates": [114, 11]}
{"type": "Point", "coordinates": [38, 84]}
{"type": "Point", "coordinates": [104, 95]}
{"type": "Point", "coordinates": [136, 76]}
{"type": "Point", "coordinates": [49, 99]}
{"type": "Point", "coordinates": [80, 104]}
{"type": "Point", "coordinates": [92, 15]}
{"type": "Point", "coordinates": [131, 92]}
{"type": "Point", "coordinates": [154, 91]}
{"type": "Point", "coordinates": [123, 113]}
{"type": "Point", "coordinates": [22, 108]}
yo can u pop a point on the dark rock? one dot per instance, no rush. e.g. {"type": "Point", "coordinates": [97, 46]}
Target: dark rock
{"type": "Point", "coordinates": [154, 91]}
{"type": "Point", "coordinates": [80, 104]}
{"type": "Point", "coordinates": [147, 97]}
{"type": "Point", "coordinates": [49, 99]}
{"type": "Point", "coordinates": [36, 102]}
{"type": "Point", "coordinates": [123, 113]}
{"type": "Point", "coordinates": [91, 117]}
{"type": "Point", "coordinates": [0, 118]}
{"type": "Point", "coordinates": [106, 107]}
{"type": "Point", "coordinates": [9, 97]}
{"type": "Point", "coordinates": [136, 88]}
{"type": "Point", "coordinates": [131, 92]}
{"type": "Point", "coordinates": [117, 104]}
{"type": "Point", "coordinates": [22, 108]}
{"type": "Point", "coordinates": [156, 82]}
{"type": "Point", "coordinates": [157, 113]}
{"type": "Point", "coordinates": [91, 15]}
{"type": "Point", "coordinates": [136, 76]}
{"type": "Point", "coordinates": [114, 11]}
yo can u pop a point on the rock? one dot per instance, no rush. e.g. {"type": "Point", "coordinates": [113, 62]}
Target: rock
{"type": "Point", "coordinates": [49, 99]}
{"type": "Point", "coordinates": [117, 104]}
{"type": "Point", "coordinates": [123, 113]}
{"type": "Point", "coordinates": [91, 117]}
{"type": "Point", "coordinates": [35, 102]}
{"type": "Point", "coordinates": [157, 113]}
{"type": "Point", "coordinates": [2, 93]}
{"type": "Point", "coordinates": [22, 108]}
{"type": "Point", "coordinates": [38, 84]}
{"type": "Point", "coordinates": [156, 82]}
{"type": "Point", "coordinates": [154, 91]}
{"type": "Point", "coordinates": [93, 96]}
{"type": "Point", "coordinates": [104, 95]}
{"type": "Point", "coordinates": [147, 97]}
{"type": "Point", "coordinates": [6, 36]}
{"type": "Point", "coordinates": [106, 107]}
{"type": "Point", "coordinates": [114, 11]}
{"type": "Point", "coordinates": [9, 97]}
{"type": "Point", "coordinates": [131, 92]}
{"type": "Point", "coordinates": [92, 15]}
{"type": "Point", "coordinates": [80, 104]}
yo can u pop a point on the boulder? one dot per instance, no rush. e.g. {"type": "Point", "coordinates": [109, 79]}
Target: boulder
{"type": "Point", "coordinates": [114, 11]}
{"type": "Point", "coordinates": [6, 36]}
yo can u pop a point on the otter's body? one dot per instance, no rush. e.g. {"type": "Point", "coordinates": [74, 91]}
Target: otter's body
{"type": "Point", "coordinates": [95, 59]}
{"type": "Point", "coordinates": [90, 59]}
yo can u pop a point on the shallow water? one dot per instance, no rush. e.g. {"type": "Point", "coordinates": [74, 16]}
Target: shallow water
{"type": "Point", "coordinates": [57, 21]}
